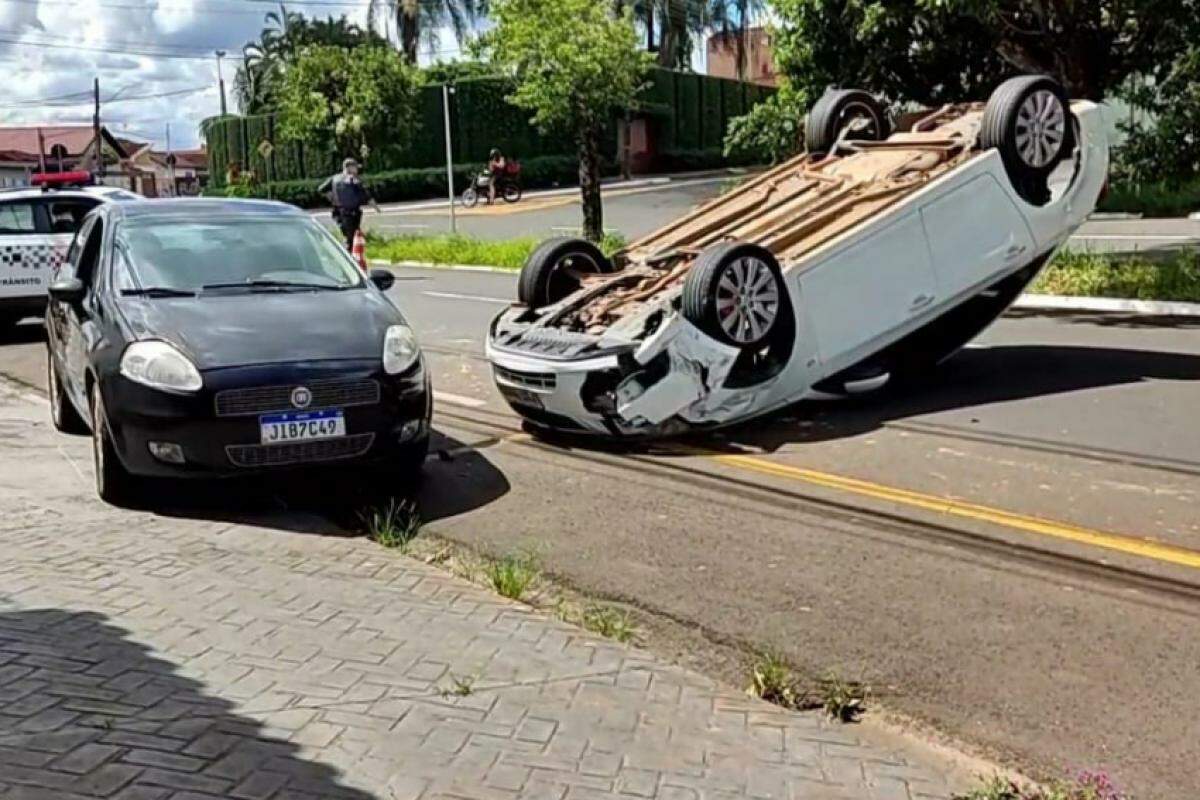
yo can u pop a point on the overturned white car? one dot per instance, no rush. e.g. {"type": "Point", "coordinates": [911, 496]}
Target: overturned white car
{"type": "Point", "coordinates": [873, 255]}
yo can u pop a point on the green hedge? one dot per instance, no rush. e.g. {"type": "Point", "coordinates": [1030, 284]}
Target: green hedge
{"type": "Point", "coordinates": [414, 184]}
{"type": "Point", "coordinates": [1153, 199]}
{"type": "Point", "coordinates": [693, 112]}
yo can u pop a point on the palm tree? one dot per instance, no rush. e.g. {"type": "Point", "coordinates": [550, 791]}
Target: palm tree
{"type": "Point", "coordinates": [285, 33]}
{"type": "Point", "coordinates": [732, 19]}
{"type": "Point", "coordinates": [418, 21]}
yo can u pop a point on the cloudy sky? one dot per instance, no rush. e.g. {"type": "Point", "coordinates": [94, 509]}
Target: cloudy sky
{"type": "Point", "coordinates": [154, 59]}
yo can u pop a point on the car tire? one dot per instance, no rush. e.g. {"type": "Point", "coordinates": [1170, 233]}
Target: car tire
{"type": "Point", "coordinates": [735, 293]}
{"type": "Point", "coordinates": [1028, 120]}
{"type": "Point", "coordinates": [512, 193]}
{"type": "Point", "coordinates": [63, 415]}
{"type": "Point", "coordinates": [114, 484]}
{"type": "Point", "coordinates": [546, 277]}
{"type": "Point", "coordinates": [837, 109]}
{"type": "Point", "coordinates": [470, 197]}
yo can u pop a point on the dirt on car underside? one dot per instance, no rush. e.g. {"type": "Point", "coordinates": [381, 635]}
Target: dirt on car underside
{"type": "Point", "coordinates": [791, 210]}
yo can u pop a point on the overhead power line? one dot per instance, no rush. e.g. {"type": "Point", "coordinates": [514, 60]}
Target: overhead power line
{"type": "Point", "coordinates": [118, 49]}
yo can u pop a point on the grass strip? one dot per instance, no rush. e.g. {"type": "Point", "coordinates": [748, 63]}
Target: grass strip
{"type": "Point", "coordinates": [458, 249]}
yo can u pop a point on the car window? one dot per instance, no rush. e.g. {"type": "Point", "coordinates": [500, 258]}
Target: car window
{"type": "Point", "coordinates": [17, 217]}
{"type": "Point", "coordinates": [67, 213]}
{"type": "Point", "coordinates": [191, 254]}
{"type": "Point", "coordinates": [70, 264]}
{"type": "Point", "coordinates": [89, 254]}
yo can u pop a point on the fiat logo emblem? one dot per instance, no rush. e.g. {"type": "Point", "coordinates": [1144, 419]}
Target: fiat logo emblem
{"type": "Point", "coordinates": [301, 397]}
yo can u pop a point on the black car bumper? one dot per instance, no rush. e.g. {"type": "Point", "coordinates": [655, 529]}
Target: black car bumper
{"type": "Point", "coordinates": [218, 428]}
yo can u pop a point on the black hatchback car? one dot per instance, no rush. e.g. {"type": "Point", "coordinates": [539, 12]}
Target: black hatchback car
{"type": "Point", "coordinates": [212, 338]}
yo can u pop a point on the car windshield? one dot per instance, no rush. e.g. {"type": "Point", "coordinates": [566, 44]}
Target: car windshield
{"type": "Point", "coordinates": [226, 253]}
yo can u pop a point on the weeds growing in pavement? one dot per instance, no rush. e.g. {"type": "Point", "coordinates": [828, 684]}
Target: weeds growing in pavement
{"type": "Point", "coordinates": [773, 680]}
{"type": "Point", "coordinates": [460, 686]}
{"type": "Point", "coordinates": [1084, 785]}
{"type": "Point", "coordinates": [512, 575]}
{"type": "Point", "coordinates": [609, 622]}
{"type": "Point", "coordinates": [842, 700]}
{"type": "Point", "coordinates": [394, 525]}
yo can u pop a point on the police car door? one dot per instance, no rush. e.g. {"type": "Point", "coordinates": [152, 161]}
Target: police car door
{"type": "Point", "coordinates": [28, 251]}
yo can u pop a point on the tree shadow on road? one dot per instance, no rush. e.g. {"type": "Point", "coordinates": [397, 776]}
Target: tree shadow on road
{"type": "Point", "coordinates": [86, 711]}
{"type": "Point", "coordinates": [974, 377]}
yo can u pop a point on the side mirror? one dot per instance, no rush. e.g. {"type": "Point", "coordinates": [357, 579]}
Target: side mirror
{"type": "Point", "coordinates": [68, 290]}
{"type": "Point", "coordinates": [382, 278]}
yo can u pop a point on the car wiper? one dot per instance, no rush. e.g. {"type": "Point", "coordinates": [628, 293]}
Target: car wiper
{"type": "Point", "coordinates": [157, 291]}
{"type": "Point", "coordinates": [267, 284]}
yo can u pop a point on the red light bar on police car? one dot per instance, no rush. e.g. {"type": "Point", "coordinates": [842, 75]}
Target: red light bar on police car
{"type": "Point", "coordinates": [77, 178]}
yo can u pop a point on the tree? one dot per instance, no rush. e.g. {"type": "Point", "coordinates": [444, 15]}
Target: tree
{"type": "Point", "coordinates": [1165, 144]}
{"type": "Point", "coordinates": [358, 101]}
{"type": "Point", "coordinates": [258, 79]}
{"type": "Point", "coordinates": [931, 52]}
{"type": "Point", "coordinates": [576, 63]}
{"type": "Point", "coordinates": [419, 20]}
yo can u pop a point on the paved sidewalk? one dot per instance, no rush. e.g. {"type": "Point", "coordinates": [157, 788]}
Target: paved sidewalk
{"type": "Point", "coordinates": [145, 657]}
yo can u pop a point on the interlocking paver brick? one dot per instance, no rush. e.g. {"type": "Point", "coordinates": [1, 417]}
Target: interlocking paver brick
{"type": "Point", "coordinates": [155, 658]}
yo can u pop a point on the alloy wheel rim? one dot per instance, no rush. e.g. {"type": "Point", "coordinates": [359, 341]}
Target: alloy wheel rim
{"type": "Point", "coordinates": [859, 111]}
{"type": "Point", "coordinates": [747, 300]}
{"type": "Point", "coordinates": [1041, 128]}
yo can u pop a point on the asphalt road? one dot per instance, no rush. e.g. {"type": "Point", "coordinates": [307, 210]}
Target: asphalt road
{"type": "Point", "coordinates": [639, 209]}
{"type": "Point", "coordinates": [1009, 552]}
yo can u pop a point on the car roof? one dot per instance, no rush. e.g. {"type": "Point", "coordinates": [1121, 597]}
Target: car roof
{"type": "Point", "coordinates": [33, 193]}
{"type": "Point", "coordinates": [201, 207]}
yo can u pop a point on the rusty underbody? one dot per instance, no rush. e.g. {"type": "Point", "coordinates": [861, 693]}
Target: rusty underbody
{"type": "Point", "coordinates": [790, 210]}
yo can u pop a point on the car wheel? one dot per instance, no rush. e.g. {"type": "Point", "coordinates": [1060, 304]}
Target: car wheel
{"type": "Point", "coordinates": [849, 114]}
{"type": "Point", "coordinates": [470, 197]}
{"type": "Point", "coordinates": [62, 412]}
{"type": "Point", "coordinates": [1028, 120]}
{"type": "Point", "coordinates": [512, 193]}
{"type": "Point", "coordinates": [552, 271]}
{"type": "Point", "coordinates": [113, 484]}
{"type": "Point", "coordinates": [734, 293]}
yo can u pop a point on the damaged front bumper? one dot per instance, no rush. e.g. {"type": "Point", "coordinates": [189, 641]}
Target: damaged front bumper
{"type": "Point", "coordinates": [666, 384]}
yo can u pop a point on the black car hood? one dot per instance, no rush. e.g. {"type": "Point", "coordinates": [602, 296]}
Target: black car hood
{"type": "Point", "coordinates": [225, 329]}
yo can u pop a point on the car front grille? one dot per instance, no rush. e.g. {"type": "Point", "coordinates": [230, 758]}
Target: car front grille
{"type": "Point", "coordinates": [527, 380]}
{"type": "Point", "coordinates": [268, 399]}
{"type": "Point", "coordinates": [278, 455]}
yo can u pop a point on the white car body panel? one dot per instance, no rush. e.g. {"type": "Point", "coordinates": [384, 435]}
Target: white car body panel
{"type": "Point", "coordinates": [853, 296]}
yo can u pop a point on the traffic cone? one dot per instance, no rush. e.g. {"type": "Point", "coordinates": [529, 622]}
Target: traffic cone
{"type": "Point", "coordinates": [359, 250]}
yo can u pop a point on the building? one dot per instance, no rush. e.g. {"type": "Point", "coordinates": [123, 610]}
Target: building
{"type": "Point", "coordinates": [25, 150]}
{"type": "Point", "coordinates": [759, 56]}
{"type": "Point", "coordinates": [179, 173]}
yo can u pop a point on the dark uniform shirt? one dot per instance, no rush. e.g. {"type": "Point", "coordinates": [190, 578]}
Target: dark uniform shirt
{"type": "Point", "coordinates": [348, 192]}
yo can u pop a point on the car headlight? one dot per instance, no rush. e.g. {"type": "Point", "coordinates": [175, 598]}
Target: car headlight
{"type": "Point", "coordinates": [160, 366]}
{"type": "Point", "coordinates": [400, 349]}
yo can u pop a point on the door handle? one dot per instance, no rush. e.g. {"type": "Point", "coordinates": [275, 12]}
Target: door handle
{"type": "Point", "coordinates": [920, 301]}
{"type": "Point", "coordinates": [1014, 251]}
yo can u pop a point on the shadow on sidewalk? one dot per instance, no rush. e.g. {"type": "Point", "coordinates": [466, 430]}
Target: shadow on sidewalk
{"type": "Point", "coordinates": [331, 500]}
{"type": "Point", "coordinates": [87, 711]}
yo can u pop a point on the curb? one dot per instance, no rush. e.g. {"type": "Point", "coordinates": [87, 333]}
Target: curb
{"type": "Point", "coordinates": [1107, 305]}
{"type": "Point", "coordinates": [1026, 302]}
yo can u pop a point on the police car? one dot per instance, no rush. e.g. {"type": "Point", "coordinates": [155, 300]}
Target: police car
{"type": "Point", "coordinates": [36, 228]}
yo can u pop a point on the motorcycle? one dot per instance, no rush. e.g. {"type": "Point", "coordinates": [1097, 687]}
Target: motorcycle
{"type": "Point", "coordinates": [508, 186]}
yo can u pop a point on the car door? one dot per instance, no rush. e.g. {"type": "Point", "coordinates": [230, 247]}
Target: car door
{"type": "Point", "coordinates": [76, 323]}
{"type": "Point", "coordinates": [870, 288]}
{"type": "Point", "coordinates": [25, 249]}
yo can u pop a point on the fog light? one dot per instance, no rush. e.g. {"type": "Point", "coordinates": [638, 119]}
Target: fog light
{"type": "Point", "coordinates": [167, 451]}
{"type": "Point", "coordinates": [410, 430]}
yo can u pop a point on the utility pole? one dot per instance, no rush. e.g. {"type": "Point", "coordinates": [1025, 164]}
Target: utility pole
{"type": "Point", "coordinates": [446, 92]}
{"type": "Point", "coordinates": [170, 164]}
{"type": "Point", "coordinates": [221, 81]}
{"type": "Point", "coordinates": [96, 143]}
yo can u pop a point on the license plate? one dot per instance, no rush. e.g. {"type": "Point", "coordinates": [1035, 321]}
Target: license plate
{"type": "Point", "coordinates": [300, 426]}
{"type": "Point", "coordinates": [522, 397]}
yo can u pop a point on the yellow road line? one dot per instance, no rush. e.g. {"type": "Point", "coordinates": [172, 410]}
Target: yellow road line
{"type": "Point", "coordinates": [957, 508]}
